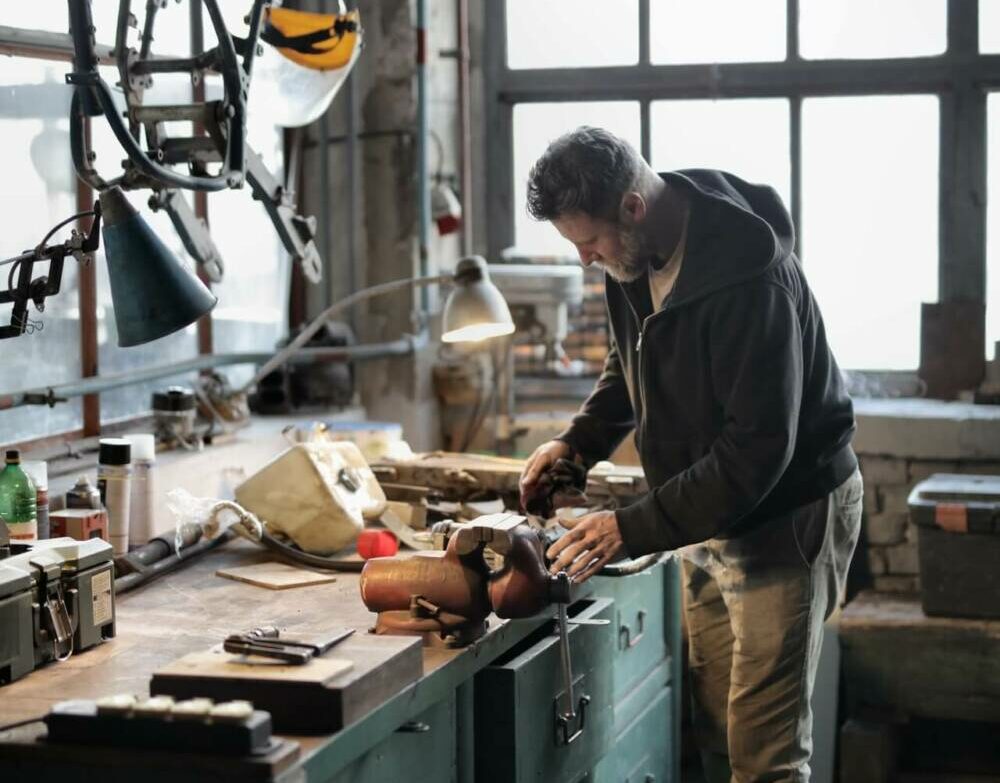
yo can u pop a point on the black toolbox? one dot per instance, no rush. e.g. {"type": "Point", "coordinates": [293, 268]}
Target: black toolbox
{"type": "Point", "coordinates": [958, 524]}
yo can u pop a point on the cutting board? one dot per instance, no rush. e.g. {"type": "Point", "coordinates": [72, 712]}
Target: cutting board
{"type": "Point", "coordinates": [321, 697]}
{"type": "Point", "coordinates": [276, 576]}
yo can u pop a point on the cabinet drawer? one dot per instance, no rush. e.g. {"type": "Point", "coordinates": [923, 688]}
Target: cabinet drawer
{"type": "Point", "coordinates": [421, 751]}
{"type": "Point", "coordinates": [642, 751]}
{"type": "Point", "coordinates": [641, 623]}
{"type": "Point", "coordinates": [518, 697]}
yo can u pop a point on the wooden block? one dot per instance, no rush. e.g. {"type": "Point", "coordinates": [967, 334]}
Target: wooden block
{"type": "Point", "coordinates": [307, 699]}
{"type": "Point", "coordinates": [867, 752]}
{"type": "Point", "coordinates": [218, 663]}
{"type": "Point", "coordinates": [276, 576]}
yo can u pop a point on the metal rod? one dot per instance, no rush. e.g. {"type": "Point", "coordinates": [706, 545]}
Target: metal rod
{"type": "Point", "coordinates": [348, 301]}
{"type": "Point", "coordinates": [423, 129]}
{"type": "Point", "coordinates": [570, 711]}
{"type": "Point", "coordinates": [465, 124]}
{"type": "Point", "coordinates": [45, 45]}
{"type": "Point", "coordinates": [50, 394]}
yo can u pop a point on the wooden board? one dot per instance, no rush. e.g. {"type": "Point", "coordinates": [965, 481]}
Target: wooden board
{"type": "Point", "coordinates": [276, 576]}
{"type": "Point", "coordinates": [303, 699]}
{"type": "Point", "coordinates": [896, 658]}
{"type": "Point", "coordinates": [218, 663]}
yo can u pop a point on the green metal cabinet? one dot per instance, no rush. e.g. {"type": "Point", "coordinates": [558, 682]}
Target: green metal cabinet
{"type": "Point", "coordinates": [630, 670]}
{"type": "Point", "coordinates": [517, 698]}
{"type": "Point", "coordinates": [420, 751]}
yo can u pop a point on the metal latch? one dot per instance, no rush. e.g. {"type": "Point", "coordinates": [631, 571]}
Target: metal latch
{"type": "Point", "coordinates": [58, 622]}
{"type": "Point", "coordinates": [571, 716]}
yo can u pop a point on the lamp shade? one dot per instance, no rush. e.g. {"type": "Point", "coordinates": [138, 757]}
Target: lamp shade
{"type": "Point", "coordinates": [153, 293]}
{"type": "Point", "coordinates": [475, 309]}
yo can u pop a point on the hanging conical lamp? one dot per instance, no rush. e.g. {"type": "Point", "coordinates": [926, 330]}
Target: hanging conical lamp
{"type": "Point", "coordinates": [153, 293]}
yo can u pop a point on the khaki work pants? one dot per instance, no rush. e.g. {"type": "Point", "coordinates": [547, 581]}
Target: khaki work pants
{"type": "Point", "coordinates": [755, 608]}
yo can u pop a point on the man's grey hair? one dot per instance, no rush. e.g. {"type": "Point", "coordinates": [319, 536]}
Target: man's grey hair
{"type": "Point", "coordinates": [587, 170]}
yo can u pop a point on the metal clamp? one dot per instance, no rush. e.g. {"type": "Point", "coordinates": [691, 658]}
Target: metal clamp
{"type": "Point", "coordinates": [625, 639]}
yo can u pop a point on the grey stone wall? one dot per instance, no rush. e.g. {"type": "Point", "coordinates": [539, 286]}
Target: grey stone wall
{"type": "Point", "coordinates": [897, 448]}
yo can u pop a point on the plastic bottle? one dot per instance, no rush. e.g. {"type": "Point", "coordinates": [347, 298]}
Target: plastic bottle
{"type": "Point", "coordinates": [83, 495]}
{"type": "Point", "coordinates": [38, 472]}
{"type": "Point", "coordinates": [18, 500]}
{"type": "Point", "coordinates": [140, 526]}
{"type": "Point", "coordinates": [114, 474]}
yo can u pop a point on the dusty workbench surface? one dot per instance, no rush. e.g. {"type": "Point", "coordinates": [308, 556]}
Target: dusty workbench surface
{"type": "Point", "coordinates": [193, 609]}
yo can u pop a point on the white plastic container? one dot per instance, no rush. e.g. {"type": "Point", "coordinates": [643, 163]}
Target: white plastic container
{"type": "Point", "coordinates": [376, 439]}
{"type": "Point", "coordinates": [317, 494]}
{"type": "Point", "coordinates": [140, 526]}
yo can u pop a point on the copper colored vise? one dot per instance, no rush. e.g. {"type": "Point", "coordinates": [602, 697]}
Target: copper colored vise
{"type": "Point", "coordinates": [494, 564]}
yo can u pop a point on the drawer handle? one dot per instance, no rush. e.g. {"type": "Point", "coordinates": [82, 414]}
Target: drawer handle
{"type": "Point", "coordinates": [625, 638]}
{"type": "Point", "coordinates": [564, 722]}
{"type": "Point", "coordinates": [413, 727]}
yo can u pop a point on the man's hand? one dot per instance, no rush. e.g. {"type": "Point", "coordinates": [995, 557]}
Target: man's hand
{"type": "Point", "coordinates": [541, 459]}
{"type": "Point", "coordinates": [585, 549]}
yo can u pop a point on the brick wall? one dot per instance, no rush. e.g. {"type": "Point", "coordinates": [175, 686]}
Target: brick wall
{"type": "Point", "coordinates": [889, 538]}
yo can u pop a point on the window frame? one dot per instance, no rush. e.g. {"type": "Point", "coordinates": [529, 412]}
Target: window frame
{"type": "Point", "coordinates": [58, 47]}
{"type": "Point", "coordinates": [960, 77]}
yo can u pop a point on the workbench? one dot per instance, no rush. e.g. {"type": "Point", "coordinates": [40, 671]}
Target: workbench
{"type": "Point", "coordinates": [484, 712]}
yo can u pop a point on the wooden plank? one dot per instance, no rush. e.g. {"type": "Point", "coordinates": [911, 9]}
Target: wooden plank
{"type": "Point", "coordinates": [216, 663]}
{"type": "Point", "coordinates": [276, 576]}
{"type": "Point", "coordinates": [897, 658]}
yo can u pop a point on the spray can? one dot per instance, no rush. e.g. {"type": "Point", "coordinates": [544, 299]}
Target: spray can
{"type": "Point", "coordinates": [140, 526]}
{"type": "Point", "coordinates": [83, 495]}
{"type": "Point", "coordinates": [114, 474]}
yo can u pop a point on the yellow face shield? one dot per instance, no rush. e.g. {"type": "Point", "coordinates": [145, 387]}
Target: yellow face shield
{"type": "Point", "coordinates": [306, 58]}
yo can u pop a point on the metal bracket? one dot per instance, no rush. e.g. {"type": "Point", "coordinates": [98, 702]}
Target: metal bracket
{"type": "Point", "coordinates": [192, 230]}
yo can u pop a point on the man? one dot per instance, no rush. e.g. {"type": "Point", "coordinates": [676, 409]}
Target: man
{"type": "Point", "coordinates": [719, 361]}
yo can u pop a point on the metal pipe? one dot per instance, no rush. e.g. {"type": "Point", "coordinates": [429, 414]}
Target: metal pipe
{"type": "Point", "coordinates": [423, 130]}
{"type": "Point", "coordinates": [169, 563]}
{"type": "Point", "coordinates": [49, 395]}
{"type": "Point", "coordinates": [348, 301]}
{"type": "Point", "coordinates": [465, 124]}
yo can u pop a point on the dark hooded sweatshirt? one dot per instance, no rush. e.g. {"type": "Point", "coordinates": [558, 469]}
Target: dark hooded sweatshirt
{"type": "Point", "coordinates": [739, 409]}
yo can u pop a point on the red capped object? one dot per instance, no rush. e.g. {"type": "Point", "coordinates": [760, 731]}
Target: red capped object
{"type": "Point", "coordinates": [377, 543]}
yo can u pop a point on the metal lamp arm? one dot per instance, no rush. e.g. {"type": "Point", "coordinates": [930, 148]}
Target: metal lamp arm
{"type": "Point", "coordinates": [347, 302]}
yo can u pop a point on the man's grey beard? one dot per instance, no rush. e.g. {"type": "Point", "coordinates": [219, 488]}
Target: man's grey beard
{"type": "Point", "coordinates": [632, 264]}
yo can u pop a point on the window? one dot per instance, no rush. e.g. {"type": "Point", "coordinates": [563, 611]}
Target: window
{"type": "Point", "coordinates": [34, 107]}
{"type": "Point", "coordinates": [572, 33]}
{"type": "Point", "coordinates": [851, 29]}
{"type": "Point", "coordinates": [870, 253]}
{"type": "Point", "coordinates": [989, 26]}
{"type": "Point", "coordinates": [716, 31]}
{"type": "Point", "coordinates": [537, 124]}
{"type": "Point", "coordinates": [747, 137]}
{"type": "Point", "coordinates": [838, 124]}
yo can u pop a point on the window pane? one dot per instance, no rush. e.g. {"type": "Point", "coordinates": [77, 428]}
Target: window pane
{"type": "Point", "coordinates": [252, 312]}
{"type": "Point", "coordinates": [537, 124]}
{"type": "Point", "coordinates": [50, 16]}
{"type": "Point", "coordinates": [572, 33]}
{"type": "Point", "coordinates": [41, 192]}
{"type": "Point", "coordinates": [993, 224]}
{"type": "Point", "coordinates": [134, 400]}
{"type": "Point", "coordinates": [989, 26]}
{"type": "Point", "coordinates": [870, 223]}
{"type": "Point", "coordinates": [716, 31]}
{"type": "Point", "coordinates": [699, 134]}
{"type": "Point", "coordinates": [852, 29]}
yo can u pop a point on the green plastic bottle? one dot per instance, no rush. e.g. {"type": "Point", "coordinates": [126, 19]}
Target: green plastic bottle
{"type": "Point", "coordinates": [17, 500]}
